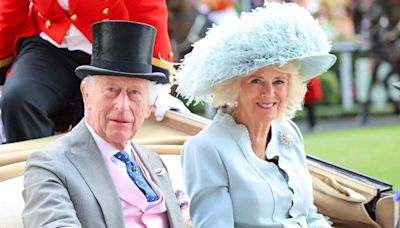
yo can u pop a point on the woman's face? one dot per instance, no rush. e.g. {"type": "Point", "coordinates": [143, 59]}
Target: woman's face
{"type": "Point", "coordinates": [262, 95]}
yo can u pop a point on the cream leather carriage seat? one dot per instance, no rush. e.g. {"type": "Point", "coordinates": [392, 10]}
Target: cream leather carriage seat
{"type": "Point", "coordinates": [11, 203]}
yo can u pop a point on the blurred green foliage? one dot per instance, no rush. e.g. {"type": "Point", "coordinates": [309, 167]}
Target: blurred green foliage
{"type": "Point", "coordinates": [330, 88]}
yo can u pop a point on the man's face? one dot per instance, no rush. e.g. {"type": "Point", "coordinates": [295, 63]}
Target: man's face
{"type": "Point", "coordinates": [116, 107]}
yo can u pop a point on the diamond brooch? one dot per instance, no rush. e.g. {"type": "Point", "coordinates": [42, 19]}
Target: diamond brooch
{"type": "Point", "coordinates": [286, 138]}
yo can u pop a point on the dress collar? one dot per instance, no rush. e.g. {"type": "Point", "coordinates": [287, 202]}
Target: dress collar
{"type": "Point", "coordinates": [240, 132]}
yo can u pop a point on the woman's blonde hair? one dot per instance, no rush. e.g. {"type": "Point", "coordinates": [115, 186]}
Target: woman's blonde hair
{"type": "Point", "coordinates": [226, 93]}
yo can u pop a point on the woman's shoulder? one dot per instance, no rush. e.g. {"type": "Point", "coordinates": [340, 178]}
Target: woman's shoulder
{"type": "Point", "coordinates": [212, 134]}
{"type": "Point", "coordinates": [203, 147]}
{"type": "Point", "coordinates": [214, 139]}
{"type": "Point", "coordinates": [220, 125]}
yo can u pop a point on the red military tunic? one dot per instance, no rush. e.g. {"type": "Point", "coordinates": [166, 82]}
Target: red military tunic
{"type": "Point", "coordinates": [22, 18]}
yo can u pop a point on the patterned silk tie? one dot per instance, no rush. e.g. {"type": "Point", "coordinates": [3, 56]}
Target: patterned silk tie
{"type": "Point", "coordinates": [134, 172]}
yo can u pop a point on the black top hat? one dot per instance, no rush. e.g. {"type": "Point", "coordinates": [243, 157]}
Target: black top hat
{"type": "Point", "coordinates": [121, 48]}
{"type": "Point", "coordinates": [397, 85]}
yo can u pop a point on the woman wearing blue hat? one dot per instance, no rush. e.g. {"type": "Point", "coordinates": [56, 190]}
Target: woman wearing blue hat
{"type": "Point", "coordinates": [248, 167]}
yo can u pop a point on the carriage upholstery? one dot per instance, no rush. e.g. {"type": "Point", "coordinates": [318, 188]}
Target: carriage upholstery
{"type": "Point", "coordinates": [335, 195]}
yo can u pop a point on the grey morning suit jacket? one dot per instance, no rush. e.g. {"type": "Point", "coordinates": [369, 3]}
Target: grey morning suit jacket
{"type": "Point", "coordinates": [67, 184]}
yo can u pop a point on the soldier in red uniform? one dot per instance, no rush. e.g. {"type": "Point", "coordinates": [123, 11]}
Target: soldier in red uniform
{"type": "Point", "coordinates": [313, 96]}
{"type": "Point", "coordinates": [45, 40]}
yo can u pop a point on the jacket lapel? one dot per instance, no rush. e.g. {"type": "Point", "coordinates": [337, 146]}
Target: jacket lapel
{"type": "Point", "coordinates": [87, 159]}
{"type": "Point", "coordinates": [242, 140]}
{"type": "Point", "coordinates": [152, 162]}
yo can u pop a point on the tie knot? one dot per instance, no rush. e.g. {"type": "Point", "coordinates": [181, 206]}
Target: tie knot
{"type": "Point", "coordinates": [122, 156]}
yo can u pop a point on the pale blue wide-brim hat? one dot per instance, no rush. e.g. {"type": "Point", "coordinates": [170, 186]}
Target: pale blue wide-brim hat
{"type": "Point", "coordinates": [274, 34]}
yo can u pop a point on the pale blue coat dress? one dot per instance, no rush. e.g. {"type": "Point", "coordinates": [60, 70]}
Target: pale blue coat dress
{"type": "Point", "coordinates": [229, 186]}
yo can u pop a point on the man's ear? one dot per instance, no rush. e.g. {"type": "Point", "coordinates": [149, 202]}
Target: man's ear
{"type": "Point", "coordinates": [85, 93]}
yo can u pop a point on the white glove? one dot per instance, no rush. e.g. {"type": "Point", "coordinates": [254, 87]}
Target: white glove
{"type": "Point", "coordinates": [166, 101]}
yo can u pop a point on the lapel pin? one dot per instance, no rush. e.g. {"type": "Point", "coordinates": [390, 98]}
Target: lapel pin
{"type": "Point", "coordinates": [160, 171]}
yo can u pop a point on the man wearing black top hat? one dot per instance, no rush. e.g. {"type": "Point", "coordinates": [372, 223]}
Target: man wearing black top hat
{"type": "Point", "coordinates": [94, 176]}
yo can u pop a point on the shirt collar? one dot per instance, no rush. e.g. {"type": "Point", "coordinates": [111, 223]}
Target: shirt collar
{"type": "Point", "coordinates": [106, 148]}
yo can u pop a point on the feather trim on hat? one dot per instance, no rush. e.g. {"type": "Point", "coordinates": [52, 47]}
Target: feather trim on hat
{"type": "Point", "coordinates": [274, 34]}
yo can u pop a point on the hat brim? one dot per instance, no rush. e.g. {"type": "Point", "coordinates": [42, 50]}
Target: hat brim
{"type": "Point", "coordinates": [396, 85]}
{"type": "Point", "coordinates": [315, 65]}
{"type": "Point", "coordinates": [85, 70]}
